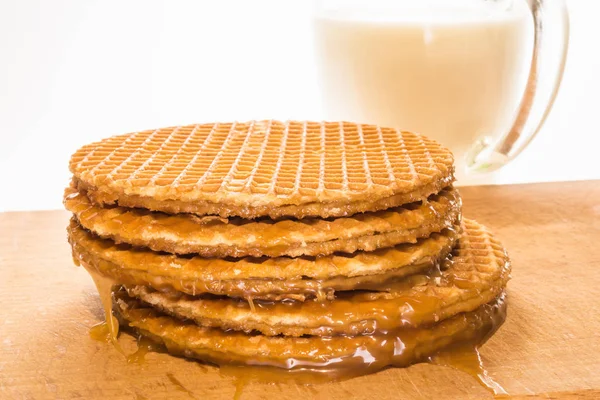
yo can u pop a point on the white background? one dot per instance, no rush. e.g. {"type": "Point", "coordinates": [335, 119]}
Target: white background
{"type": "Point", "coordinates": [74, 71]}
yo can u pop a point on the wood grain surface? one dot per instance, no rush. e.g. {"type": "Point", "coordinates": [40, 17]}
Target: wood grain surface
{"type": "Point", "coordinates": [549, 347]}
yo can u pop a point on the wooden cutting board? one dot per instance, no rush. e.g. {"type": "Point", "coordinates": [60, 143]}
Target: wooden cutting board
{"type": "Point", "coordinates": [549, 346]}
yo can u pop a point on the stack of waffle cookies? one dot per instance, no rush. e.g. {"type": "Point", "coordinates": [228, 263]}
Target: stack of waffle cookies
{"type": "Point", "coordinates": [302, 245]}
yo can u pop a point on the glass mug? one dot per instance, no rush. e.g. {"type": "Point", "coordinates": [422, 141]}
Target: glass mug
{"type": "Point", "coordinates": [479, 76]}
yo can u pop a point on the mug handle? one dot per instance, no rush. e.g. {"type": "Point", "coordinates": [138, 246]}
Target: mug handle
{"type": "Point", "coordinates": [551, 21]}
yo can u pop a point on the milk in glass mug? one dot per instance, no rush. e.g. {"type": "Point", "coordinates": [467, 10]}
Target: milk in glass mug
{"type": "Point", "coordinates": [479, 76]}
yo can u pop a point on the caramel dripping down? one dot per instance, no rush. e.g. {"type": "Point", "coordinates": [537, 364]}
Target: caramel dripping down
{"type": "Point", "coordinates": [461, 356]}
{"type": "Point", "coordinates": [107, 331]}
{"type": "Point", "coordinates": [251, 304]}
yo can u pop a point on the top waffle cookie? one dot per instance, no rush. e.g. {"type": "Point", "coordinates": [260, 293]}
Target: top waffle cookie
{"type": "Point", "coordinates": [263, 168]}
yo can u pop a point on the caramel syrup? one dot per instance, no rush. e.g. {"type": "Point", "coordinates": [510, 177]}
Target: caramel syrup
{"type": "Point", "coordinates": [100, 332]}
{"type": "Point", "coordinates": [243, 376]}
{"type": "Point", "coordinates": [144, 346]}
{"type": "Point", "coordinates": [466, 358]}
{"type": "Point", "coordinates": [462, 356]}
{"type": "Point", "coordinates": [106, 331]}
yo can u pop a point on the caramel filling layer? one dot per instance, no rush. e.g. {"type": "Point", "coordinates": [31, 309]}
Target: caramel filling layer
{"type": "Point", "coordinates": [265, 278]}
{"type": "Point", "coordinates": [212, 236]}
{"type": "Point", "coordinates": [339, 355]}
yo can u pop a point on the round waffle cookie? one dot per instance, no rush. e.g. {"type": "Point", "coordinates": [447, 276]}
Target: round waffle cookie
{"type": "Point", "coordinates": [476, 274]}
{"type": "Point", "coordinates": [258, 278]}
{"type": "Point", "coordinates": [344, 355]}
{"type": "Point", "coordinates": [212, 236]}
{"type": "Point", "coordinates": [263, 168]}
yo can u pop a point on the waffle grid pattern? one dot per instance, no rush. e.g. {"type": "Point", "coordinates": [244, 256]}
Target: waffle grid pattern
{"type": "Point", "coordinates": [478, 252]}
{"type": "Point", "coordinates": [263, 161]}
